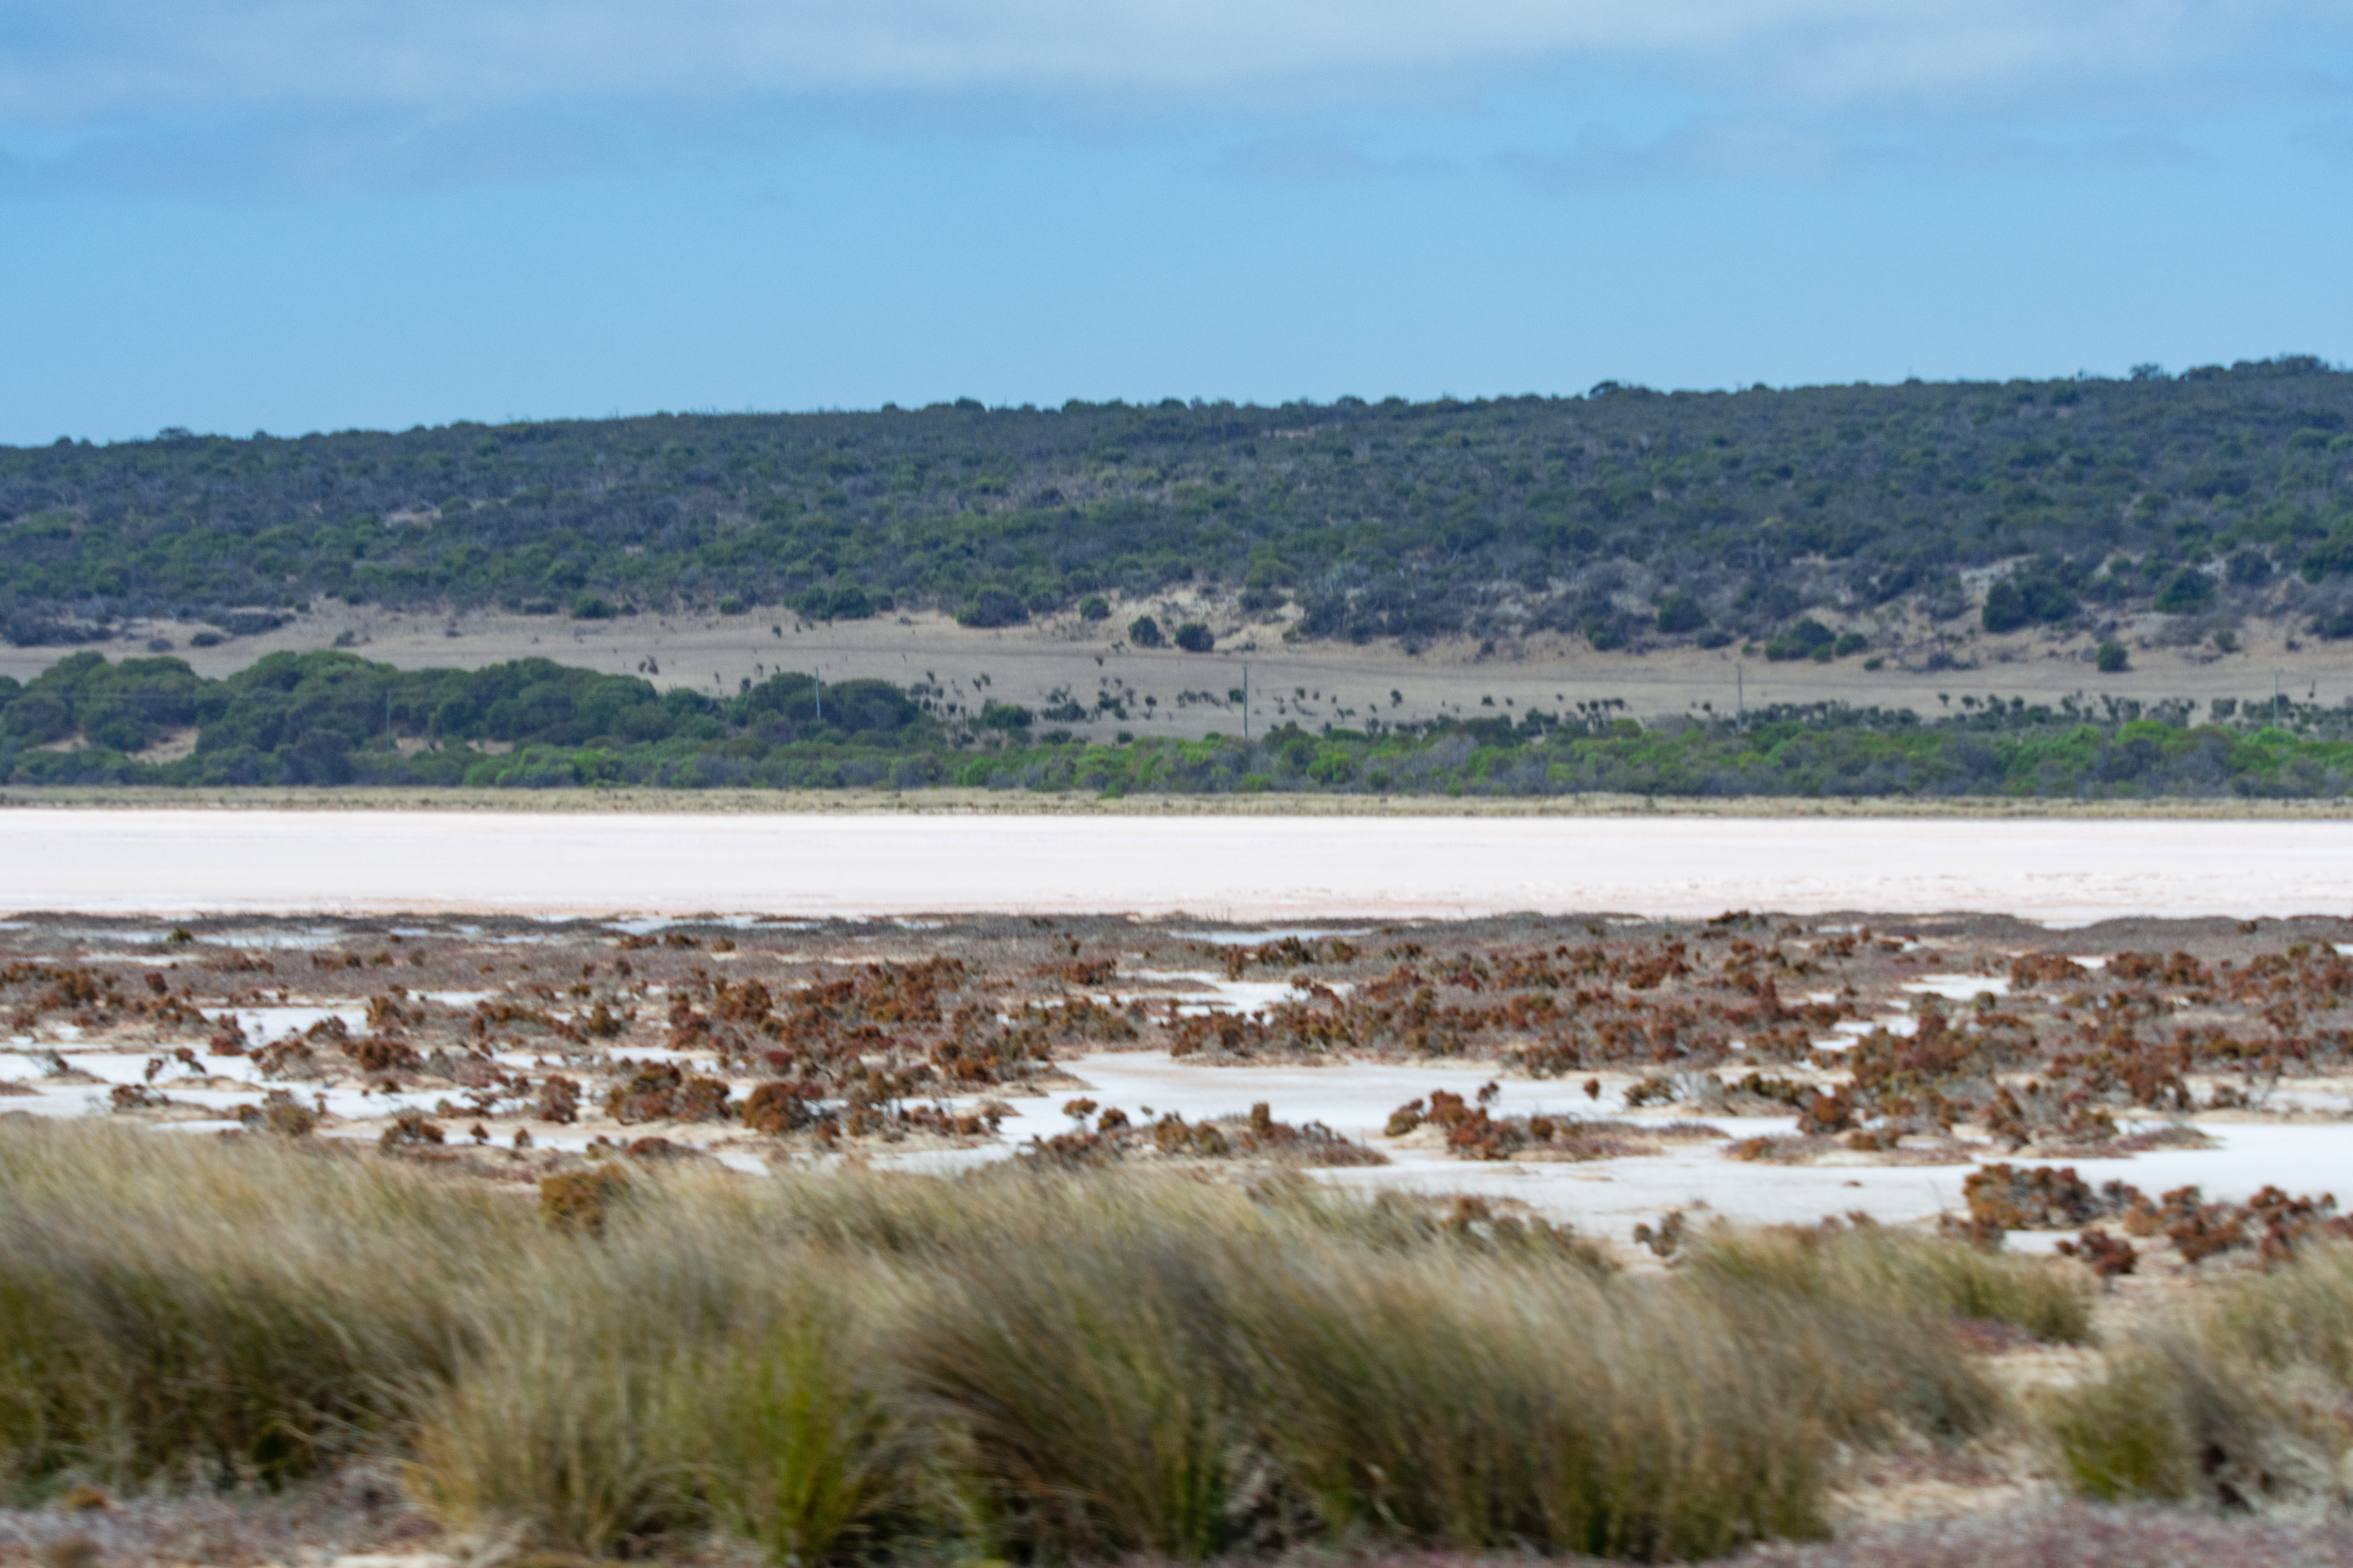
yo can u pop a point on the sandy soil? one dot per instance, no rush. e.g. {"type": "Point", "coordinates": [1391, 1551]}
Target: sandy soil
{"type": "Point", "coordinates": [1313, 683]}
{"type": "Point", "coordinates": [2054, 871]}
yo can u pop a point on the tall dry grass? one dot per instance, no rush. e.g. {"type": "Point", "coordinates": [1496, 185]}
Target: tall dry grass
{"type": "Point", "coordinates": [1875, 1267]}
{"type": "Point", "coordinates": [1483, 1406]}
{"type": "Point", "coordinates": [169, 1306]}
{"type": "Point", "coordinates": [1173, 1369]}
{"type": "Point", "coordinates": [2243, 1398]}
{"type": "Point", "coordinates": [669, 1379]}
{"type": "Point", "coordinates": [1874, 1315]}
{"type": "Point", "coordinates": [857, 1367]}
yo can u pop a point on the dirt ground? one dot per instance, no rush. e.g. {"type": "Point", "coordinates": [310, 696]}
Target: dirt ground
{"type": "Point", "coordinates": [1313, 683]}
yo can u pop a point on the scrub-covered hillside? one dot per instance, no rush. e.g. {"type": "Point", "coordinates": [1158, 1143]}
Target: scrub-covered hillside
{"type": "Point", "coordinates": [1629, 516]}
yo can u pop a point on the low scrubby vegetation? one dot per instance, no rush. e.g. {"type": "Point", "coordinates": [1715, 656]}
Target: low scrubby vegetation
{"type": "Point", "coordinates": [1628, 517]}
{"type": "Point", "coordinates": [1017, 1363]}
{"type": "Point", "coordinates": [333, 718]}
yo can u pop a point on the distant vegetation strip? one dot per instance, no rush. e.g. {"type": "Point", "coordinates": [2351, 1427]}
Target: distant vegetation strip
{"type": "Point", "coordinates": [336, 719]}
{"type": "Point", "coordinates": [1630, 516]}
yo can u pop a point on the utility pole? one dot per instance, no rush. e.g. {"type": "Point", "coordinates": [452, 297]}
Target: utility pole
{"type": "Point", "coordinates": [817, 678]}
{"type": "Point", "coordinates": [1245, 702]}
{"type": "Point", "coordinates": [1740, 693]}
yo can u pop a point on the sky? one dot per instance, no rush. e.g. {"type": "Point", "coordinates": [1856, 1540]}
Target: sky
{"type": "Point", "coordinates": [314, 215]}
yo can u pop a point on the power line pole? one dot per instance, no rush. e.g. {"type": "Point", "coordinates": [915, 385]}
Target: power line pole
{"type": "Point", "coordinates": [1740, 693]}
{"type": "Point", "coordinates": [1245, 702]}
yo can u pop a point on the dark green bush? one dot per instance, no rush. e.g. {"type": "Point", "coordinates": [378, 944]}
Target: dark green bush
{"type": "Point", "coordinates": [1005, 715]}
{"type": "Point", "coordinates": [1680, 612]}
{"type": "Point", "coordinates": [993, 607]}
{"type": "Point", "coordinates": [2185, 592]}
{"type": "Point", "coordinates": [1806, 639]}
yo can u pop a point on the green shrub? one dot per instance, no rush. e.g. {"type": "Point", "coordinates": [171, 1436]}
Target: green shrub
{"type": "Point", "coordinates": [2185, 592]}
{"type": "Point", "coordinates": [991, 608]}
{"type": "Point", "coordinates": [2110, 659]}
{"type": "Point", "coordinates": [1005, 715]}
{"type": "Point", "coordinates": [1680, 612]}
{"type": "Point", "coordinates": [1806, 640]}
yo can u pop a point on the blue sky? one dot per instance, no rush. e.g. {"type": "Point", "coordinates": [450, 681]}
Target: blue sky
{"type": "Point", "coordinates": [320, 214]}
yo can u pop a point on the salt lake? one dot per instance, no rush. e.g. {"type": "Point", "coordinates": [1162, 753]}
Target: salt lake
{"type": "Point", "coordinates": [2055, 871]}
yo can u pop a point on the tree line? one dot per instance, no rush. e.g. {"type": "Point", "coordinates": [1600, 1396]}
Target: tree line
{"type": "Point", "coordinates": [334, 719]}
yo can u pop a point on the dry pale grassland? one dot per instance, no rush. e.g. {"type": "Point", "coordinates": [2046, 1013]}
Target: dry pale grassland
{"type": "Point", "coordinates": [1310, 682]}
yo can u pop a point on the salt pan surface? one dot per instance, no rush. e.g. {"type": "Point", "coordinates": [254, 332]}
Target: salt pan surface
{"type": "Point", "coordinates": [1615, 1195]}
{"type": "Point", "coordinates": [1242, 869]}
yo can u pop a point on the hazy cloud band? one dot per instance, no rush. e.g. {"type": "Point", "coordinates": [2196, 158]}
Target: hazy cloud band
{"type": "Point", "coordinates": [64, 63]}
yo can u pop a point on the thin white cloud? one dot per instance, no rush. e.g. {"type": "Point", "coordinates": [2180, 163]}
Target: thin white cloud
{"type": "Point", "coordinates": [67, 60]}
{"type": "Point", "coordinates": [1753, 150]}
{"type": "Point", "coordinates": [1316, 161]}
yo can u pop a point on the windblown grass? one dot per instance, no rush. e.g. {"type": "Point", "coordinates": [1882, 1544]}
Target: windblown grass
{"type": "Point", "coordinates": [862, 1367]}
{"type": "Point", "coordinates": [2242, 1401]}
{"type": "Point", "coordinates": [1479, 1407]}
{"type": "Point", "coordinates": [1872, 1267]}
{"type": "Point", "coordinates": [664, 1383]}
{"type": "Point", "coordinates": [169, 1306]}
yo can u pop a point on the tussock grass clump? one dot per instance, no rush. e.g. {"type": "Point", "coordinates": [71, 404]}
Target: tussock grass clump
{"type": "Point", "coordinates": [1221, 1380]}
{"type": "Point", "coordinates": [2243, 1401]}
{"type": "Point", "coordinates": [857, 1367]}
{"type": "Point", "coordinates": [1091, 1397]}
{"type": "Point", "coordinates": [168, 1305]}
{"type": "Point", "coordinates": [664, 1383]}
{"type": "Point", "coordinates": [1868, 1265]}
{"type": "Point", "coordinates": [1523, 1404]}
